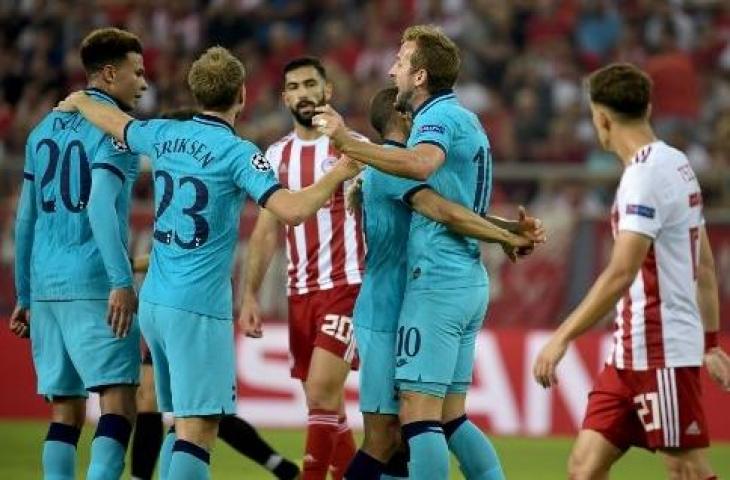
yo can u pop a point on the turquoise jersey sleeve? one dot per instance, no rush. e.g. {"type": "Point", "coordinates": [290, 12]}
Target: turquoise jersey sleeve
{"type": "Point", "coordinates": [430, 127]}
{"type": "Point", "coordinates": [24, 231]}
{"type": "Point", "coordinates": [252, 173]}
{"type": "Point", "coordinates": [106, 186]}
{"type": "Point", "coordinates": [140, 136]}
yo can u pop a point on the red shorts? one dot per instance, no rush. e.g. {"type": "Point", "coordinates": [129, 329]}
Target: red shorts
{"type": "Point", "coordinates": [652, 409]}
{"type": "Point", "coordinates": [322, 319]}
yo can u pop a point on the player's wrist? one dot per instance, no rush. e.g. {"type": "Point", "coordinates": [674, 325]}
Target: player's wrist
{"type": "Point", "coordinates": [711, 341]}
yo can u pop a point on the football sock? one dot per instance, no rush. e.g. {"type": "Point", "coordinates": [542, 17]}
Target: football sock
{"type": "Point", "coordinates": [428, 450]}
{"type": "Point", "coordinates": [322, 428]}
{"type": "Point", "coordinates": [146, 444]}
{"type": "Point", "coordinates": [189, 462]}
{"type": "Point", "coordinates": [344, 449]}
{"type": "Point", "coordinates": [59, 452]}
{"type": "Point", "coordinates": [166, 453]}
{"type": "Point", "coordinates": [364, 467]}
{"type": "Point", "coordinates": [244, 438]}
{"type": "Point", "coordinates": [477, 457]}
{"type": "Point", "coordinates": [109, 447]}
{"type": "Point", "coordinates": [397, 466]}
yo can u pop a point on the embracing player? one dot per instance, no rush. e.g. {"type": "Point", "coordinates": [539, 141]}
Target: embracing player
{"type": "Point", "coordinates": [70, 230]}
{"type": "Point", "coordinates": [203, 173]}
{"type": "Point", "coordinates": [447, 286]}
{"type": "Point", "coordinates": [387, 222]}
{"type": "Point", "coordinates": [661, 278]}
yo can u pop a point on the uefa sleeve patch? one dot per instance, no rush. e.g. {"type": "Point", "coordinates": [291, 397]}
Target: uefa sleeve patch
{"type": "Point", "coordinates": [640, 210]}
{"type": "Point", "coordinates": [118, 145]}
{"type": "Point", "coordinates": [260, 163]}
{"type": "Point", "coordinates": [432, 129]}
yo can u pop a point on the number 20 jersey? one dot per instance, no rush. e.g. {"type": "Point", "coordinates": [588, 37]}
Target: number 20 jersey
{"type": "Point", "coordinates": [658, 323]}
{"type": "Point", "coordinates": [60, 151]}
{"type": "Point", "coordinates": [438, 258]}
{"type": "Point", "coordinates": [202, 172]}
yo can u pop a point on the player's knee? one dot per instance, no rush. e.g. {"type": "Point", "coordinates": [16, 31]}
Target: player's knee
{"type": "Point", "coordinates": [119, 400]}
{"type": "Point", "coordinates": [381, 441]}
{"type": "Point", "coordinates": [684, 468]}
{"type": "Point", "coordinates": [69, 411]}
{"type": "Point", "coordinates": [322, 395]}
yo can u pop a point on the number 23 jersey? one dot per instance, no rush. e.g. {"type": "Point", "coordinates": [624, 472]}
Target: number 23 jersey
{"type": "Point", "coordinates": [438, 258]}
{"type": "Point", "coordinates": [202, 172]}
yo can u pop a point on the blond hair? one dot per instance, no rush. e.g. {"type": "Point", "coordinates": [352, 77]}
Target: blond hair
{"type": "Point", "coordinates": [436, 53]}
{"type": "Point", "coordinates": [216, 78]}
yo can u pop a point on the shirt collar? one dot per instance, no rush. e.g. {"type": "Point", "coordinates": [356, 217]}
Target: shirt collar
{"type": "Point", "coordinates": [443, 93]}
{"type": "Point", "coordinates": [202, 117]}
{"type": "Point", "coordinates": [101, 93]}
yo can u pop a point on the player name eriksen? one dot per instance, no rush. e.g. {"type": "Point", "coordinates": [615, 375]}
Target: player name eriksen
{"type": "Point", "coordinates": [198, 150]}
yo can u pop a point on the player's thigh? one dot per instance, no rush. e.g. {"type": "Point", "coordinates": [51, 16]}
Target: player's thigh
{"type": "Point", "coordinates": [332, 313]}
{"type": "Point", "coordinates": [690, 463]}
{"type": "Point", "coordinates": [378, 394]}
{"type": "Point", "coordinates": [152, 323]}
{"type": "Point", "coordinates": [592, 456]}
{"type": "Point", "coordinates": [201, 356]}
{"type": "Point", "coordinates": [55, 370]}
{"type": "Point", "coordinates": [302, 333]}
{"type": "Point", "coordinates": [325, 383]}
{"type": "Point", "coordinates": [427, 341]}
{"type": "Point", "coordinates": [474, 301]}
{"type": "Point", "coordinates": [101, 358]}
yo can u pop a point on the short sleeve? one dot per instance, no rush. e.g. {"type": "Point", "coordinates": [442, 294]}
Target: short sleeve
{"type": "Point", "coordinates": [432, 127]}
{"type": "Point", "coordinates": [273, 156]}
{"type": "Point", "coordinates": [401, 189]}
{"type": "Point", "coordinates": [29, 166]}
{"type": "Point", "coordinates": [639, 202]}
{"type": "Point", "coordinates": [113, 156]}
{"type": "Point", "coordinates": [140, 136]}
{"type": "Point", "coordinates": [252, 173]}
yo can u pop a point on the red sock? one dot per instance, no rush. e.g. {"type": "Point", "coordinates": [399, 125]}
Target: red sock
{"type": "Point", "coordinates": [344, 449]}
{"type": "Point", "coordinates": [322, 429]}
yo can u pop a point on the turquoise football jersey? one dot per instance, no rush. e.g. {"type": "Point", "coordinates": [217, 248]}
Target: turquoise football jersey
{"type": "Point", "coordinates": [386, 222]}
{"type": "Point", "coordinates": [438, 258]}
{"type": "Point", "coordinates": [63, 261]}
{"type": "Point", "coordinates": [203, 172]}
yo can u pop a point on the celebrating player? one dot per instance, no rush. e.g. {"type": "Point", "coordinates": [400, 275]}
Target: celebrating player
{"type": "Point", "coordinates": [203, 172]}
{"type": "Point", "coordinates": [661, 277]}
{"type": "Point", "coordinates": [71, 236]}
{"type": "Point", "coordinates": [378, 305]}
{"type": "Point", "coordinates": [326, 257]}
{"type": "Point", "coordinates": [447, 285]}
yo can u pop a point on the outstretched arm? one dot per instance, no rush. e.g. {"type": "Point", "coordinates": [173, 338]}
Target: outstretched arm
{"type": "Point", "coordinates": [106, 117]}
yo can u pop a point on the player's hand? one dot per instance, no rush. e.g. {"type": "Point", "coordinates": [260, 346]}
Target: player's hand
{"type": "Point", "coordinates": [717, 364]}
{"type": "Point", "coordinates": [547, 362]}
{"type": "Point", "coordinates": [515, 244]}
{"type": "Point", "coordinates": [349, 167]}
{"type": "Point", "coordinates": [70, 103]}
{"type": "Point", "coordinates": [249, 318]}
{"type": "Point", "coordinates": [20, 322]}
{"type": "Point", "coordinates": [532, 228]}
{"type": "Point", "coordinates": [122, 307]}
{"type": "Point", "coordinates": [330, 123]}
{"type": "Point", "coordinates": [353, 196]}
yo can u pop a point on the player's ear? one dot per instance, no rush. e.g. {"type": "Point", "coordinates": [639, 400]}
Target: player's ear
{"type": "Point", "coordinates": [328, 91]}
{"type": "Point", "coordinates": [421, 78]}
{"type": "Point", "coordinates": [108, 73]}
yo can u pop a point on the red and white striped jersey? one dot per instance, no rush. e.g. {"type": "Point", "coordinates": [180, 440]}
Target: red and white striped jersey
{"type": "Point", "coordinates": [328, 249]}
{"type": "Point", "coordinates": [658, 324]}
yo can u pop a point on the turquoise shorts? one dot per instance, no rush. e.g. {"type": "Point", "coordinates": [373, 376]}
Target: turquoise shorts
{"type": "Point", "coordinates": [436, 338]}
{"type": "Point", "coordinates": [193, 358]}
{"type": "Point", "coordinates": [75, 350]}
{"type": "Point", "coordinates": [377, 371]}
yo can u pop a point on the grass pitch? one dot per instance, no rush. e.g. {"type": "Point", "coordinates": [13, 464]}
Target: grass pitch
{"type": "Point", "coordinates": [522, 458]}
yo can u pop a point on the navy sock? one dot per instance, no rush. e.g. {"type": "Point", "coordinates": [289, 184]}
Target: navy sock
{"type": "Point", "coordinates": [146, 444]}
{"type": "Point", "coordinates": [397, 466]}
{"type": "Point", "coordinates": [364, 467]}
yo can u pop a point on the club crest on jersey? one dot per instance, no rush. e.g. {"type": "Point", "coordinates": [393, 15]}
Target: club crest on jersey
{"type": "Point", "coordinates": [431, 129]}
{"type": "Point", "coordinates": [328, 163]}
{"type": "Point", "coordinates": [641, 210]}
{"type": "Point", "coordinates": [118, 145]}
{"type": "Point", "coordinates": [259, 162]}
